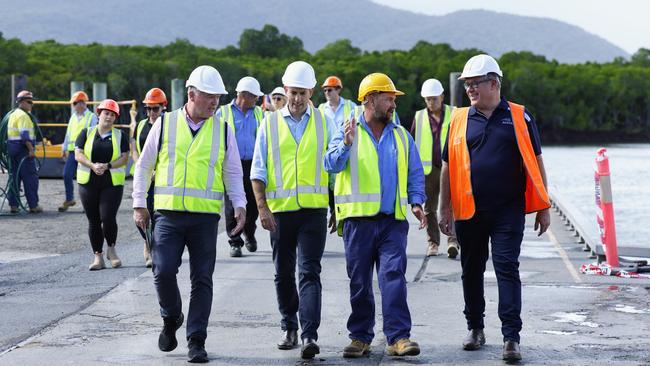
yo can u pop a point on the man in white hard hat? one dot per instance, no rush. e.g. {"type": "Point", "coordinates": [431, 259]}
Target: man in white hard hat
{"type": "Point", "coordinates": [196, 160]}
{"type": "Point", "coordinates": [429, 128]}
{"type": "Point", "coordinates": [291, 188]}
{"type": "Point", "coordinates": [278, 98]}
{"type": "Point", "coordinates": [243, 117]}
{"type": "Point", "coordinates": [493, 152]}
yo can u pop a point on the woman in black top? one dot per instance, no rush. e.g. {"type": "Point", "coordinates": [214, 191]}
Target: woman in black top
{"type": "Point", "coordinates": [102, 152]}
{"type": "Point", "coordinates": [155, 102]}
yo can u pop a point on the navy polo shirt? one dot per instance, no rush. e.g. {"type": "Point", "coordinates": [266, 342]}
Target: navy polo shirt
{"type": "Point", "coordinates": [497, 170]}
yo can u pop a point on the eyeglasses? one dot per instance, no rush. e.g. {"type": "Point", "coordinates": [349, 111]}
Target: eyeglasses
{"type": "Point", "coordinates": [153, 109]}
{"type": "Point", "coordinates": [474, 84]}
{"type": "Point", "coordinates": [277, 99]}
{"type": "Point", "coordinates": [327, 90]}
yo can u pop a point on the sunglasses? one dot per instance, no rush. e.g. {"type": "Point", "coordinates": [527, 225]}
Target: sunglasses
{"type": "Point", "coordinates": [153, 109]}
{"type": "Point", "coordinates": [277, 99]}
{"type": "Point", "coordinates": [327, 90]}
{"type": "Point", "coordinates": [77, 102]}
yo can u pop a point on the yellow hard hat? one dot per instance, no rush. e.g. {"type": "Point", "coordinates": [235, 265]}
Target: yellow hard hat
{"type": "Point", "coordinates": [377, 82]}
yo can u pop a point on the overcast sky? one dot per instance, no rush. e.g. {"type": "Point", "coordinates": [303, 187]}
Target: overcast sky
{"type": "Point", "coordinates": [622, 22]}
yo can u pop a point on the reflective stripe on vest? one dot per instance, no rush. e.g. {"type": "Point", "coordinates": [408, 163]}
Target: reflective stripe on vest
{"type": "Point", "coordinates": [118, 175]}
{"type": "Point", "coordinates": [227, 116]}
{"type": "Point", "coordinates": [360, 108]}
{"type": "Point", "coordinates": [138, 131]}
{"type": "Point", "coordinates": [462, 199]}
{"type": "Point", "coordinates": [357, 192]}
{"type": "Point", "coordinates": [424, 136]}
{"type": "Point", "coordinates": [188, 169]}
{"type": "Point", "coordinates": [296, 178]}
{"type": "Point", "coordinates": [75, 126]}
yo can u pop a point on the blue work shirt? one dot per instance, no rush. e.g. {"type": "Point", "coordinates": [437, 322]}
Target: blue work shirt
{"type": "Point", "coordinates": [338, 116]}
{"type": "Point", "coordinates": [338, 154]}
{"type": "Point", "coordinates": [297, 128]}
{"type": "Point", "coordinates": [245, 129]}
{"type": "Point", "coordinates": [497, 172]}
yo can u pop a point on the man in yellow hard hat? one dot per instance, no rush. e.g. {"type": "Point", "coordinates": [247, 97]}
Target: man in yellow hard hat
{"type": "Point", "coordinates": [429, 129]}
{"type": "Point", "coordinates": [378, 174]}
{"type": "Point", "coordinates": [81, 118]}
{"type": "Point", "coordinates": [336, 108]}
{"type": "Point", "coordinates": [21, 136]}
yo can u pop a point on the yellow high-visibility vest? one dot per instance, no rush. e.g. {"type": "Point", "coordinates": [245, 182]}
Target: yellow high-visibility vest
{"type": "Point", "coordinates": [357, 192]}
{"type": "Point", "coordinates": [19, 121]}
{"type": "Point", "coordinates": [424, 136]}
{"type": "Point", "coordinates": [118, 175]}
{"type": "Point", "coordinates": [189, 168]}
{"type": "Point", "coordinates": [75, 126]}
{"type": "Point", "coordinates": [296, 178]}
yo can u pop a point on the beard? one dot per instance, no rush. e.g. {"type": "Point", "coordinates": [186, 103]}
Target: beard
{"type": "Point", "coordinates": [384, 118]}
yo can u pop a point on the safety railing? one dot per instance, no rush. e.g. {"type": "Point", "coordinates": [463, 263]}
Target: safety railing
{"type": "Point", "coordinates": [133, 103]}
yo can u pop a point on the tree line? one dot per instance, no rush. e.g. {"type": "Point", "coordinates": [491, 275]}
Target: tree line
{"type": "Point", "coordinates": [571, 102]}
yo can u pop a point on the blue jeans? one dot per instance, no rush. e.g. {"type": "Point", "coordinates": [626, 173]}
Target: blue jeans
{"type": "Point", "coordinates": [27, 175]}
{"type": "Point", "coordinates": [379, 240]}
{"type": "Point", "coordinates": [172, 232]}
{"type": "Point", "coordinates": [303, 231]}
{"type": "Point", "coordinates": [505, 228]}
{"type": "Point", "coordinates": [69, 170]}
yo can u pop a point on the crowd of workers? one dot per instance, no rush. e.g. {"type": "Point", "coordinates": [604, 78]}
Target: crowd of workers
{"type": "Point", "coordinates": [480, 167]}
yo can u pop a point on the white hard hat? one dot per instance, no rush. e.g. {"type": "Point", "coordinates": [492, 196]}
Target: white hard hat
{"type": "Point", "coordinates": [207, 79]}
{"type": "Point", "coordinates": [299, 74]}
{"type": "Point", "coordinates": [480, 65]}
{"type": "Point", "coordinates": [431, 88]}
{"type": "Point", "coordinates": [249, 84]}
{"type": "Point", "coordinates": [279, 90]}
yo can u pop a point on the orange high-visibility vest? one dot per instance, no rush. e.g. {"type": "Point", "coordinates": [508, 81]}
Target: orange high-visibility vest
{"type": "Point", "coordinates": [462, 198]}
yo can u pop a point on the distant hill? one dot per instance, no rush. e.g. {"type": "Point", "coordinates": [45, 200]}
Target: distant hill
{"type": "Point", "coordinates": [370, 26]}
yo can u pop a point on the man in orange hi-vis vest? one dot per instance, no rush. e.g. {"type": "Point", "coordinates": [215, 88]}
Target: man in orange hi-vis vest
{"type": "Point", "coordinates": [492, 175]}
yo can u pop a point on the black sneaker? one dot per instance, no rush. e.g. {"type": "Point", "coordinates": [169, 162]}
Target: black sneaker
{"type": "Point", "coordinates": [251, 245]}
{"type": "Point", "coordinates": [196, 353]}
{"type": "Point", "coordinates": [167, 339]}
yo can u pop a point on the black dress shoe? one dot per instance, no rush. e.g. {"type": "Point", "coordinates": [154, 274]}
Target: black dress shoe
{"type": "Point", "coordinates": [251, 245]}
{"type": "Point", "coordinates": [196, 350]}
{"type": "Point", "coordinates": [290, 340]}
{"type": "Point", "coordinates": [474, 340]}
{"type": "Point", "coordinates": [309, 348]}
{"type": "Point", "coordinates": [511, 352]}
{"type": "Point", "coordinates": [167, 338]}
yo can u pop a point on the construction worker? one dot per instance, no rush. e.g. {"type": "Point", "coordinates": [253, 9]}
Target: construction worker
{"type": "Point", "coordinates": [21, 137]}
{"type": "Point", "coordinates": [244, 118]}
{"type": "Point", "coordinates": [429, 128]}
{"type": "Point", "coordinates": [278, 98]}
{"type": "Point", "coordinates": [291, 189]}
{"type": "Point", "coordinates": [494, 153]}
{"type": "Point", "coordinates": [155, 103]}
{"type": "Point", "coordinates": [195, 161]}
{"type": "Point", "coordinates": [81, 118]}
{"type": "Point", "coordinates": [378, 173]}
{"type": "Point", "coordinates": [102, 152]}
{"type": "Point", "coordinates": [336, 108]}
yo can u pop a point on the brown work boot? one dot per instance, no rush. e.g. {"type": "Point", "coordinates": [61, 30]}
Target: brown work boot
{"type": "Point", "coordinates": [432, 250]}
{"type": "Point", "coordinates": [474, 340]}
{"type": "Point", "coordinates": [356, 349]}
{"type": "Point", "coordinates": [511, 352]}
{"type": "Point", "coordinates": [66, 204]}
{"type": "Point", "coordinates": [147, 256]}
{"type": "Point", "coordinates": [98, 263]}
{"type": "Point", "coordinates": [111, 255]}
{"type": "Point", "coordinates": [35, 210]}
{"type": "Point", "coordinates": [403, 347]}
{"type": "Point", "coordinates": [452, 249]}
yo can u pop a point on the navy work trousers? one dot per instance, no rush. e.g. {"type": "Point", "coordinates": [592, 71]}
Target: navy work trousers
{"type": "Point", "coordinates": [379, 240]}
{"type": "Point", "coordinates": [25, 173]}
{"type": "Point", "coordinates": [69, 170]}
{"type": "Point", "coordinates": [504, 227]}
{"type": "Point", "coordinates": [303, 231]}
{"type": "Point", "coordinates": [173, 231]}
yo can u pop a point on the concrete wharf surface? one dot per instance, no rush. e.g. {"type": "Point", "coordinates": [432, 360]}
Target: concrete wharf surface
{"type": "Point", "coordinates": [53, 311]}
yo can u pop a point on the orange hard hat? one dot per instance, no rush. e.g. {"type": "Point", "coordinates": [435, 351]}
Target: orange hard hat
{"type": "Point", "coordinates": [155, 96]}
{"type": "Point", "coordinates": [110, 105]}
{"type": "Point", "coordinates": [79, 97]}
{"type": "Point", "coordinates": [24, 94]}
{"type": "Point", "coordinates": [332, 81]}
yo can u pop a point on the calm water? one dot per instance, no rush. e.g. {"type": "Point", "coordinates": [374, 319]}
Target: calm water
{"type": "Point", "coordinates": [571, 172]}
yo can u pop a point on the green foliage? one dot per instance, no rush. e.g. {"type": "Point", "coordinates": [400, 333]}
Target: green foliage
{"type": "Point", "coordinates": [570, 101]}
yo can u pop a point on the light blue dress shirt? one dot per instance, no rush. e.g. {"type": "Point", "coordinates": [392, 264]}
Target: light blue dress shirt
{"type": "Point", "coordinates": [338, 154]}
{"type": "Point", "coordinates": [245, 129]}
{"type": "Point", "coordinates": [338, 116]}
{"type": "Point", "coordinates": [297, 128]}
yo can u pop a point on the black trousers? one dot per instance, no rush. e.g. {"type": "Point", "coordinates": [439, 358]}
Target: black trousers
{"type": "Point", "coordinates": [101, 202]}
{"type": "Point", "coordinates": [251, 210]}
